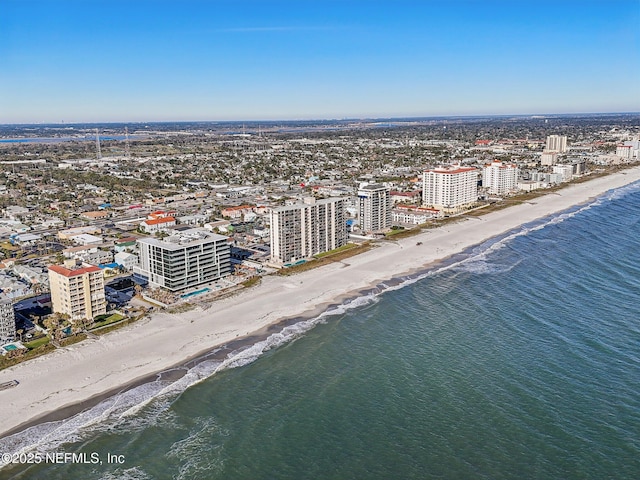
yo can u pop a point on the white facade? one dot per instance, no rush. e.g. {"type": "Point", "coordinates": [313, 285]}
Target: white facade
{"type": "Point", "coordinates": [7, 321]}
{"type": "Point", "coordinates": [86, 239]}
{"type": "Point", "coordinates": [625, 151]}
{"type": "Point", "coordinates": [157, 224]}
{"type": "Point", "coordinates": [413, 216]}
{"type": "Point", "coordinates": [184, 260]}
{"type": "Point", "coordinates": [374, 207]}
{"type": "Point", "coordinates": [450, 188]}
{"type": "Point", "coordinates": [557, 143]}
{"type": "Point", "coordinates": [305, 229]}
{"type": "Point", "coordinates": [127, 260]}
{"type": "Point", "coordinates": [566, 171]}
{"type": "Point", "coordinates": [500, 178]}
{"type": "Point", "coordinates": [548, 158]}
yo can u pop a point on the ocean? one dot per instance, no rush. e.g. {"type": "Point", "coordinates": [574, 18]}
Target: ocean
{"type": "Point", "coordinates": [519, 359]}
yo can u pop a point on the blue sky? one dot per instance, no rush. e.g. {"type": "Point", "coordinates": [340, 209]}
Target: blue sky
{"type": "Point", "coordinates": [112, 60]}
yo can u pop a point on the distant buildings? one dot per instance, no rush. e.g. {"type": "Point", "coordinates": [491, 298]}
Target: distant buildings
{"type": "Point", "coordinates": [450, 188]}
{"type": "Point", "coordinates": [556, 143]}
{"type": "Point", "coordinates": [499, 178]}
{"type": "Point", "coordinates": [413, 215]}
{"type": "Point", "coordinates": [7, 321]}
{"type": "Point", "coordinates": [565, 171]}
{"type": "Point", "coordinates": [548, 158]}
{"type": "Point", "coordinates": [156, 224]}
{"type": "Point", "coordinates": [305, 229]}
{"type": "Point", "coordinates": [72, 232]}
{"type": "Point", "coordinates": [78, 292]}
{"type": "Point", "coordinates": [374, 207]}
{"type": "Point", "coordinates": [629, 150]}
{"type": "Point", "coordinates": [236, 212]}
{"type": "Point", "coordinates": [184, 259]}
{"type": "Point", "coordinates": [126, 260]}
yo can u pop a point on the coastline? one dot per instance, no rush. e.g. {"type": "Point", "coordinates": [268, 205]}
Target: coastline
{"type": "Point", "coordinates": [71, 379]}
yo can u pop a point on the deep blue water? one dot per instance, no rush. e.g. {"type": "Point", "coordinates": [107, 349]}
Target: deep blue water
{"type": "Point", "coordinates": [521, 361]}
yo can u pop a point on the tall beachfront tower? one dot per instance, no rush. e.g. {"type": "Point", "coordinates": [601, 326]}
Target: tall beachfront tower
{"type": "Point", "coordinates": [374, 207]}
{"type": "Point", "coordinates": [450, 189]}
{"type": "Point", "coordinates": [305, 229]}
{"type": "Point", "coordinates": [499, 178]}
{"type": "Point", "coordinates": [77, 292]}
{"type": "Point", "coordinates": [7, 321]}
{"type": "Point", "coordinates": [183, 260]}
{"type": "Point", "coordinates": [556, 143]}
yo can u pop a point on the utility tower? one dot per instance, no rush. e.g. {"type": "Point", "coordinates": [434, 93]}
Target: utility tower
{"type": "Point", "coordinates": [127, 149]}
{"type": "Point", "coordinates": [98, 153]}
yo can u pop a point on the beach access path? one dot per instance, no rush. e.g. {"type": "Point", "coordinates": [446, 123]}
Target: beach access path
{"type": "Point", "coordinates": [92, 367]}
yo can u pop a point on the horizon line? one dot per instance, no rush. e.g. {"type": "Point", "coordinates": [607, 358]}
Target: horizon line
{"type": "Point", "coordinates": [326, 119]}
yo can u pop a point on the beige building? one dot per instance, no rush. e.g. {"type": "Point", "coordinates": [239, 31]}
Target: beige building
{"type": "Point", "coordinates": [556, 143]}
{"type": "Point", "coordinates": [450, 189]}
{"type": "Point", "coordinates": [305, 229]}
{"type": "Point", "coordinates": [79, 293]}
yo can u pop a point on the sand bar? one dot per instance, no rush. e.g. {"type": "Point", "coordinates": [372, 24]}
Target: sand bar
{"type": "Point", "coordinates": [93, 367]}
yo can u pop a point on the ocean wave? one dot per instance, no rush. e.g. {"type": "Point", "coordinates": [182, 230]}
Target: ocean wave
{"type": "Point", "coordinates": [134, 473]}
{"type": "Point", "coordinates": [148, 404]}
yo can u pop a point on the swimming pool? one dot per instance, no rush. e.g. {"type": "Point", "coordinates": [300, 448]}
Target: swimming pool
{"type": "Point", "coordinates": [197, 292]}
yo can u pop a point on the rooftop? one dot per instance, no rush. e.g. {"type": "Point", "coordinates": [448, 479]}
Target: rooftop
{"type": "Point", "coordinates": [180, 239]}
{"type": "Point", "coordinates": [60, 270]}
{"type": "Point", "coordinates": [452, 170]}
{"type": "Point", "coordinates": [157, 221]}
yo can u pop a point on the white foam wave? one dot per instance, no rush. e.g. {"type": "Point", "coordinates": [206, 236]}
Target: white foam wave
{"type": "Point", "coordinates": [480, 261]}
{"type": "Point", "coordinates": [189, 450]}
{"type": "Point", "coordinates": [126, 412]}
{"type": "Point", "coordinates": [622, 191]}
{"type": "Point", "coordinates": [134, 473]}
{"type": "Point", "coordinates": [149, 403]}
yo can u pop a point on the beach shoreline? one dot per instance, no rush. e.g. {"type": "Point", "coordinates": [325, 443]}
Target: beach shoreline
{"type": "Point", "coordinates": [74, 378]}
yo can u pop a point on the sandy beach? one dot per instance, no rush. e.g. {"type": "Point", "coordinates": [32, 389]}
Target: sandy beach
{"type": "Point", "coordinates": [88, 369]}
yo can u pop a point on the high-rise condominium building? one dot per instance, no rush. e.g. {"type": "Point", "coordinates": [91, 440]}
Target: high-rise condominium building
{"type": "Point", "coordinates": [305, 229]}
{"type": "Point", "coordinates": [7, 321]}
{"type": "Point", "coordinates": [499, 178]}
{"type": "Point", "coordinates": [374, 207]}
{"type": "Point", "coordinates": [556, 143]}
{"type": "Point", "coordinates": [77, 292]}
{"type": "Point", "coordinates": [183, 260]}
{"type": "Point", "coordinates": [450, 188]}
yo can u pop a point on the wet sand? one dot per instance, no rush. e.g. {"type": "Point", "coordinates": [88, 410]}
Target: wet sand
{"type": "Point", "coordinates": [74, 378]}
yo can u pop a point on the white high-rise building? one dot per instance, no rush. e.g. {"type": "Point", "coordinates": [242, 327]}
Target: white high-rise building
{"type": "Point", "coordinates": [305, 229]}
{"type": "Point", "coordinates": [629, 150]}
{"type": "Point", "coordinates": [183, 260]}
{"type": "Point", "coordinates": [556, 143]}
{"type": "Point", "coordinates": [7, 321]}
{"type": "Point", "coordinates": [450, 188]}
{"type": "Point", "coordinates": [374, 207]}
{"type": "Point", "coordinates": [548, 158]}
{"type": "Point", "coordinates": [499, 178]}
{"type": "Point", "coordinates": [566, 171]}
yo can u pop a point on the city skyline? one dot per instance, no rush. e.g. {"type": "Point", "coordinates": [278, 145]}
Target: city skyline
{"type": "Point", "coordinates": [76, 62]}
